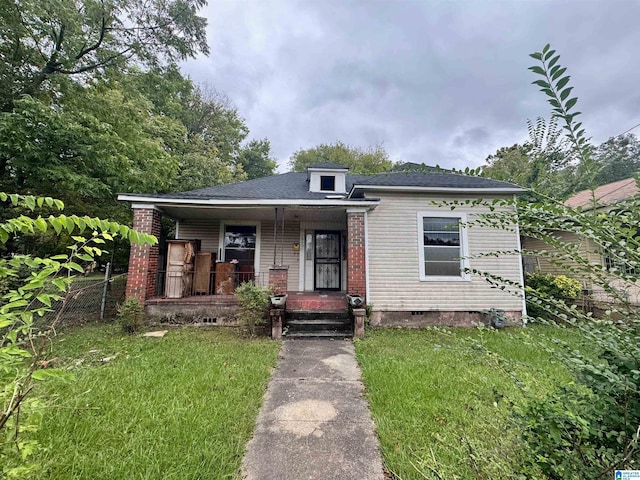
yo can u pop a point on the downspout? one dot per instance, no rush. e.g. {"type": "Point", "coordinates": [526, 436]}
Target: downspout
{"type": "Point", "coordinates": [282, 246]}
{"type": "Point", "coordinates": [275, 237]}
{"type": "Point", "coordinates": [519, 245]}
{"type": "Point", "coordinates": [366, 256]}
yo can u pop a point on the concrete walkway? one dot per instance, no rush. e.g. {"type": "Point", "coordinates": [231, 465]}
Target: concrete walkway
{"type": "Point", "coordinates": [314, 423]}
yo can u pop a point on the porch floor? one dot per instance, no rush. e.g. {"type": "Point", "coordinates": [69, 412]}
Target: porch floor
{"type": "Point", "coordinates": [199, 299]}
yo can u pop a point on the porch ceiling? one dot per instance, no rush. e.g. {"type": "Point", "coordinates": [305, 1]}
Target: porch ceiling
{"type": "Point", "coordinates": [310, 214]}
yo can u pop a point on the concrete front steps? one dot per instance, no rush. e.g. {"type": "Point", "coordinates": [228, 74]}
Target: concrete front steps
{"type": "Point", "coordinates": [305, 324]}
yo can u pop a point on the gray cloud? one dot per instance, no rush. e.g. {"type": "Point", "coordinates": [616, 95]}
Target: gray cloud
{"type": "Point", "coordinates": [440, 82]}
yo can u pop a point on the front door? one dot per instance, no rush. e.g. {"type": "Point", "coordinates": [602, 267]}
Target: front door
{"type": "Point", "coordinates": [327, 261]}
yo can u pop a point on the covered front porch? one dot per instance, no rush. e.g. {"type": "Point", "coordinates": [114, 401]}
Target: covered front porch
{"type": "Point", "coordinates": [291, 249]}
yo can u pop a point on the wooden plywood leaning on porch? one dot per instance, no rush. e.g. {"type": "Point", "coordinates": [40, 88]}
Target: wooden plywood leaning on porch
{"type": "Point", "coordinates": [202, 278]}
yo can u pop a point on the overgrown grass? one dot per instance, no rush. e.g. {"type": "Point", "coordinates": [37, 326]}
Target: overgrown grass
{"type": "Point", "coordinates": [182, 406]}
{"type": "Point", "coordinates": [442, 399]}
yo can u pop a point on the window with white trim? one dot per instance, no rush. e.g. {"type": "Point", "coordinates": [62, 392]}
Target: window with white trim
{"type": "Point", "coordinates": [328, 183]}
{"type": "Point", "coordinates": [443, 246]}
{"type": "Point", "coordinates": [240, 241]}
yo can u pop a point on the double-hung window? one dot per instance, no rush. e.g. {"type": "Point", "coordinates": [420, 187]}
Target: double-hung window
{"type": "Point", "coordinates": [443, 246]}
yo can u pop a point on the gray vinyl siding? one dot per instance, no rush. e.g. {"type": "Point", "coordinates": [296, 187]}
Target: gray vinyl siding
{"type": "Point", "coordinates": [542, 263]}
{"type": "Point", "coordinates": [394, 270]}
{"type": "Point", "coordinates": [207, 231]}
{"type": "Point", "coordinates": [285, 254]}
{"type": "Point", "coordinates": [590, 251]}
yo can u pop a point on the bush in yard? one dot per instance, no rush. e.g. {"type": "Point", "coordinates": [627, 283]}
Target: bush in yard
{"type": "Point", "coordinates": [590, 428]}
{"type": "Point", "coordinates": [131, 315]}
{"type": "Point", "coordinates": [547, 285]}
{"type": "Point", "coordinates": [23, 342]}
{"type": "Point", "coordinates": [254, 305]}
{"type": "Point", "coordinates": [14, 281]}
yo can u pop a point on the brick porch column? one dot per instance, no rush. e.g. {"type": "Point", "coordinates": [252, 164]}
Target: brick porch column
{"type": "Point", "coordinates": [143, 259]}
{"type": "Point", "coordinates": [278, 278]}
{"type": "Point", "coordinates": [356, 252]}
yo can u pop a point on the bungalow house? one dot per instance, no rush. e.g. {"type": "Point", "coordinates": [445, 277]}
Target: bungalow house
{"type": "Point", "coordinates": [605, 198]}
{"type": "Point", "coordinates": [325, 233]}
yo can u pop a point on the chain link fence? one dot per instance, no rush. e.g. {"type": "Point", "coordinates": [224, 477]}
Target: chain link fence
{"type": "Point", "coordinates": [91, 298]}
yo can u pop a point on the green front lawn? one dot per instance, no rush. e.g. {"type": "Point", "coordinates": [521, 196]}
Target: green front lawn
{"type": "Point", "coordinates": [182, 406]}
{"type": "Point", "coordinates": [442, 403]}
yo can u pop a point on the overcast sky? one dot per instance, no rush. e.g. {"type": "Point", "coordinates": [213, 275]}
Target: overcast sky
{"type": "Point", "coordinates": [435, 82]}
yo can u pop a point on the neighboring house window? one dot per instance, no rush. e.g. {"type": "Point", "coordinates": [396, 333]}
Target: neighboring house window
{"type": "Point", "coordinates": [328, 183]}
{"type": "Point", "coordinates": [443, 246]}
{"type": "Point", "coordinates": [611, 262]}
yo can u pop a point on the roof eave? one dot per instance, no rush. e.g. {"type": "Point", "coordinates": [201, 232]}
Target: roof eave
{"type": "Point", "coordinates": [248, 202]}
{"type": "Point", "coordinates": [408, 188]}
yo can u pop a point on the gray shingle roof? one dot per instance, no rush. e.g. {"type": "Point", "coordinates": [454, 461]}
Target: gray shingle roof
{"type": "Point", "coordinates": [285, 186]}
{"type": "Point", "coordinates": [428, 178]}
{"type": "Point", "coordinates": [294, 185]}
{"type": "Point", "coordinates": [332, 166]}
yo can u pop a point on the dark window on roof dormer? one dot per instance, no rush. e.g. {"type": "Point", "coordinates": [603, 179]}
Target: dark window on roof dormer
{"type": "Point", "coordinates": [328, 183]}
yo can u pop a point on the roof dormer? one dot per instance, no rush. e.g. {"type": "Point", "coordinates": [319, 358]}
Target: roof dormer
{"type": "Point", "coordinates": [328, 178]}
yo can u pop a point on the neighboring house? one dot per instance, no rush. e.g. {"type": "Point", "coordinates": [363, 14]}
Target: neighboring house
{"type": "Point", "coordinates": [606, 197]}
{"type": "Point", "coordinates": [324, 233]}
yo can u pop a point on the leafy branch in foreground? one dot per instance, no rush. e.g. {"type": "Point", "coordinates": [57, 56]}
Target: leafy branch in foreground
{"type": "Point", "coordinates": [555, 85]}
{"type": "Point", "coordinates": [591, 426]}
{"type": "Point", "coordinates": [22, 341]}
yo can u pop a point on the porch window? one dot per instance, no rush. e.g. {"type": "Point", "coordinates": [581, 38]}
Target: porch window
{"type": "Point", "coordinates": [240, 245]}
{"type": "Point", "coordinates": [442, 246]}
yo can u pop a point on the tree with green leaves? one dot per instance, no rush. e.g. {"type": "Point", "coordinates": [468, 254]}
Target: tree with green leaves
{"type": "Point", "coordinates": [208, 150]}
{"type": "Point", "coordinates": [617, 158]}
{"type": "Point", "coordinates": [255, 159]}
{"type": "Point", "coordinates": [45, 41]}
{"type": "Point", "coordinates": [24, 300]}
{"type": "Point", "coordinates": [540, 163]}
{"type": "Point", "coordinates": [95, 143]}
{"type": "Point", "coordinates": [554, 84]}
{"type": "Point", "coordinates": [511, 164]}
{"type": "Point", "coordinates": [359, 160]}
{"type": "Point", "coordinates": [94, 105]}
{"type": "Point", "coordinates": [71, 126]}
